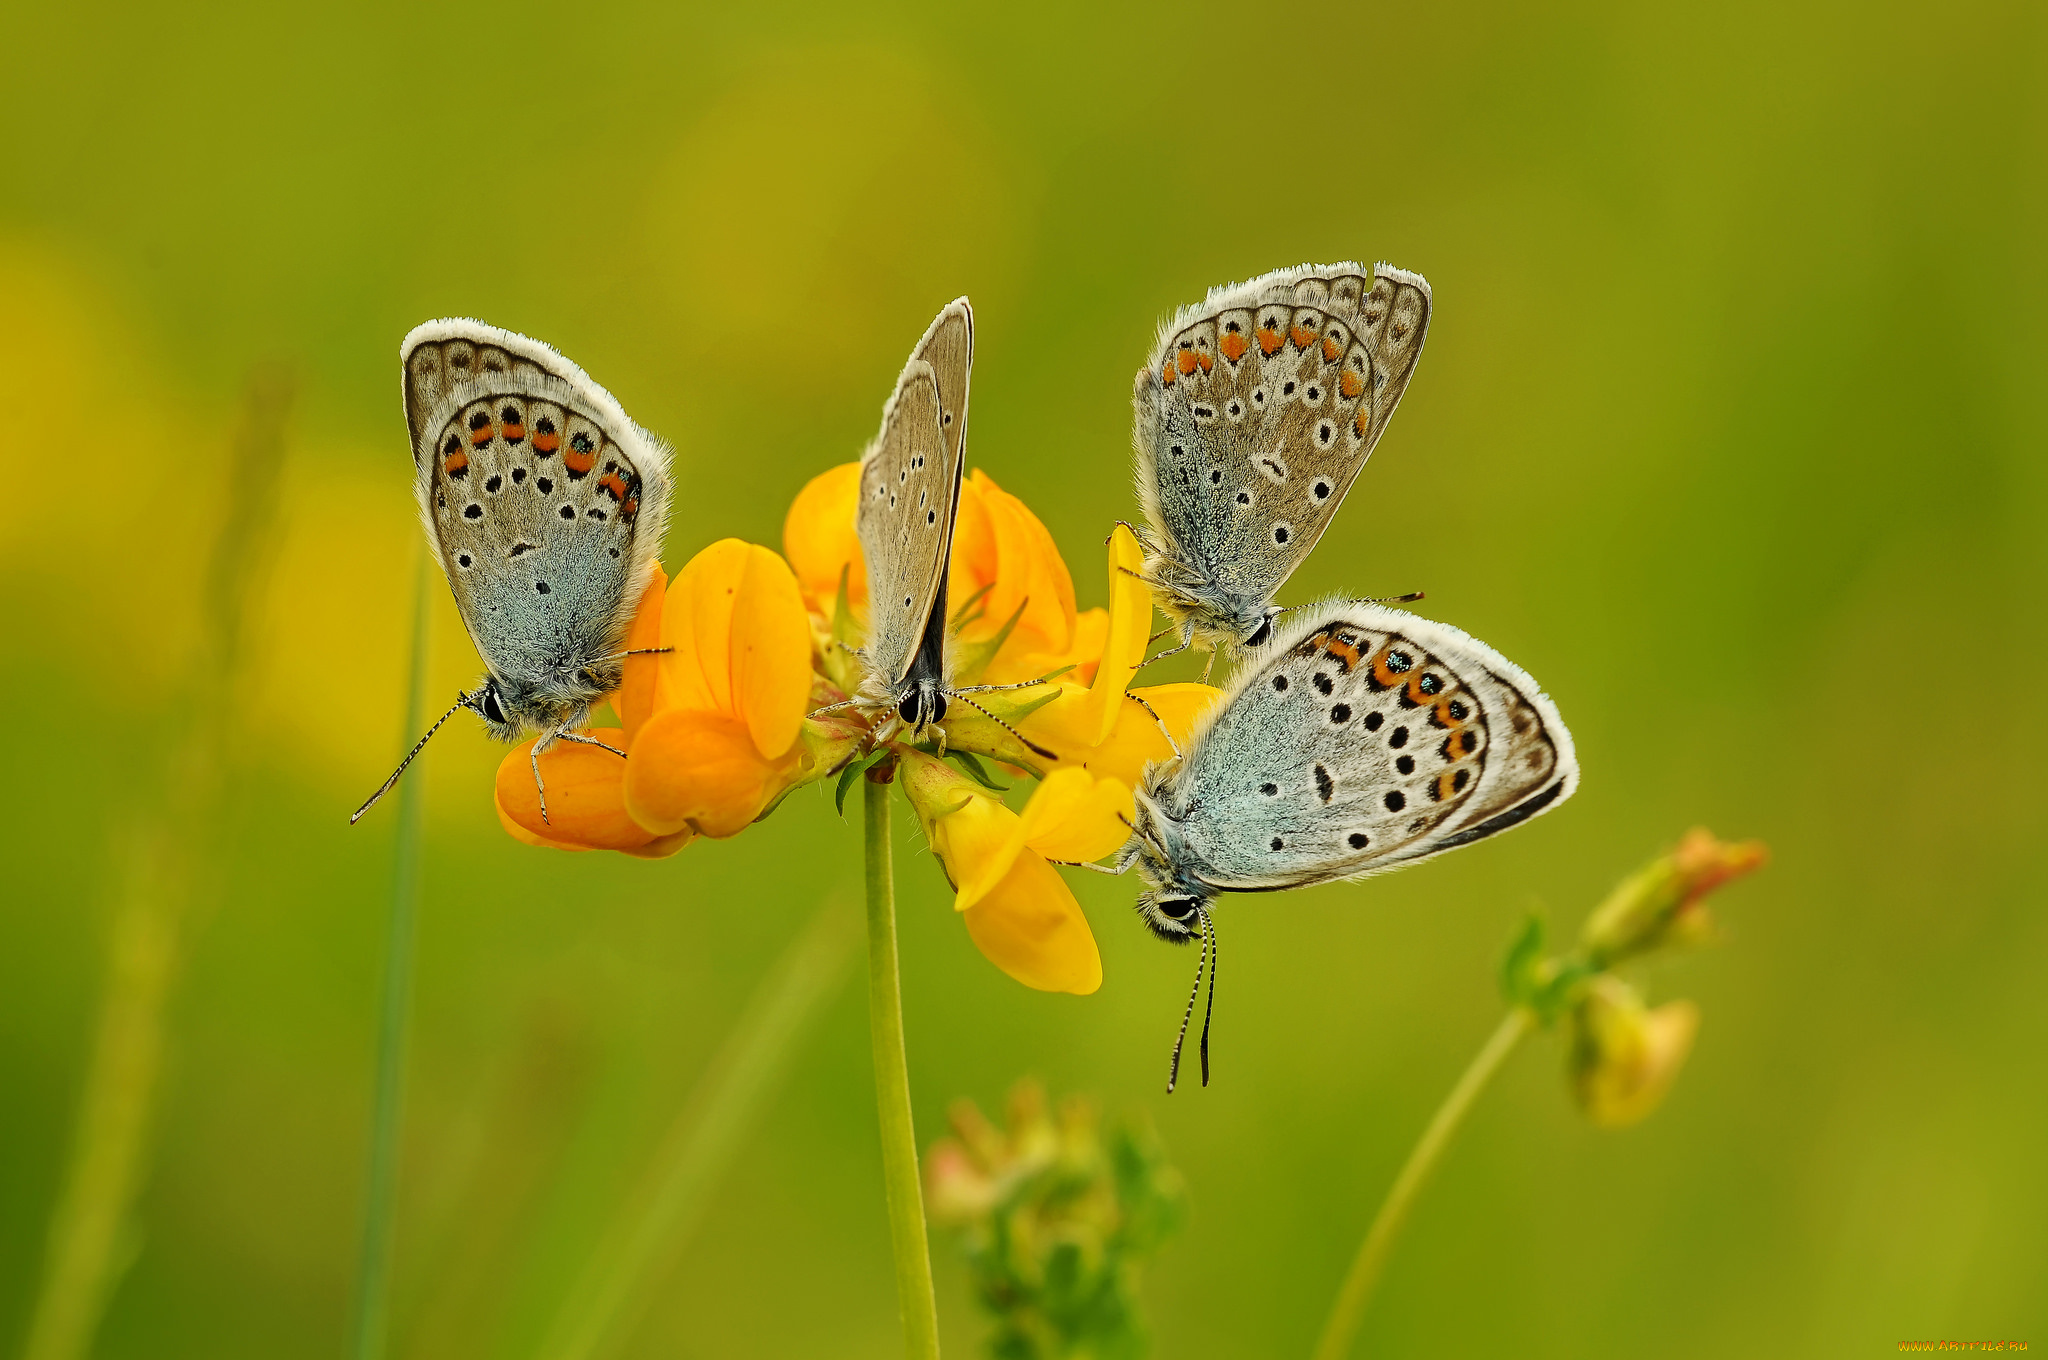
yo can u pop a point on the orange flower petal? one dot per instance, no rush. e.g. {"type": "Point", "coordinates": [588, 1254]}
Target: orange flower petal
{"type": "Point", "coordinates": [697, 626]}
{"type": "Point", "coordinates": [818, 538]}
{"type": "Point", "coordinates": [692, 768]}
{"type": "Point", "coordinates": [635, 699]}
{"type": "Point", "coordinates": [1076, 817]}
{"type": "Point", "coordinates": [973, 561]}
{"type": "Point", "coordinates": [586, 806]}
{"type": "Point", "coordinates": [1030, 926]}
{"type": "Point", "coordinates": [771, 653]}
{"type": "Point", "coordinates": [521, 834]}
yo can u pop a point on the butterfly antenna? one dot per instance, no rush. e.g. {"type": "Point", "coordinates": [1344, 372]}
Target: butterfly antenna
{"type": "Point", "coordinates": [1035, 747]}
{"type": "Point", "coordinates": [1410, 598]}
{"type": "Point", "coordinates": [1209, 939]}
{"type": "Point", "coordinates": [1173, 1070]}
{"type": "Point", "coordinates": [461, 701]}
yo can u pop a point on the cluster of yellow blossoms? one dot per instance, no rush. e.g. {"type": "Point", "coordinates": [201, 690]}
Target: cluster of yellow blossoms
{"type": "Point", "coordinates": [716, 728]}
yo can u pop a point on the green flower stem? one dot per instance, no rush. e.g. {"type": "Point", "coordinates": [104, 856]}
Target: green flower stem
{"type": "Point", "coordinates": [1348, 1311]}
{"type": "Point", "coordinates": [892, 1088]}
{"type": "Point", "coordinates": [373, 1265]}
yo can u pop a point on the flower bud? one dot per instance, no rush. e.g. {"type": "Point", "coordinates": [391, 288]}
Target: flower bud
{"type": "Point", "coordinates": [1624, 1056]}
{"type": "Point", "coordinates": [1663, 904]}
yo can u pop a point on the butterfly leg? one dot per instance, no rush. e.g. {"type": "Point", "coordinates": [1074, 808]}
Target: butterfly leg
{"type": "Point", "coordinates": [1086, 864]}
{"type": "Point", "coordinates": [582, 740]}
{"type": "Point", "coordinates": [831, 708]}
{"type": "Point", "coordinates": [1141, 702]}
{"type": "Point", "coordinates": [540, 785]}
{"type": "Point", "coordinates": [1021, 684]}
{"type": "Point", "coordinates": [1210, 667]}
{"type": "Point", "coordinates": [1187, 640]}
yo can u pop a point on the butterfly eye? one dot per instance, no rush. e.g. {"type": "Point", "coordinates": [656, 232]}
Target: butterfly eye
{"type": "Point", "coordinates": [1260, 634]}
{"type": "Point", "coordinates": [493, 710]}
{"type": "Point", "coordinates": [1177, 908]}
{"type": "Point", "coordinates": [913, 707]}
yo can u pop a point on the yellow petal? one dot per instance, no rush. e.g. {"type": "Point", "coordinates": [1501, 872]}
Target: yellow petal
{"type": "Point", "coordinates": [1130, 624]}
{"type": "Point", "coordinates": [1030, 926]}
{"type": "Point", "coordinates": [978, 841]}
{"type": "Point", "coordinates": [1076, 817]}
{"type": "Point", "coordinates": [691, 768]}
{"type": "Point", "coordinates": [818, 538]}
{"type": "Point", "coordinates": [697, 628]}
{"type": "Point", "coordinates": [586, 804]}
{"type": "Point", "coordinates": [771, 653]}
{"type": "Point", "coordinates": [635, 699]}
{"type": "Point", "coordinates": [1136, 740]}
{"type": "Point", "coordinates": [1091, 635]}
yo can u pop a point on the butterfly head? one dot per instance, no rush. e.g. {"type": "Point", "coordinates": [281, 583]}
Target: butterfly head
{"type": "Point", "coordinates": [490, 702]}
{"type": "Point", "coordinates": [924, 705]}
{"type": "Point", "coordinates": [1262, 631]}
{"type": "Point", "coordinates": [1172, 913]}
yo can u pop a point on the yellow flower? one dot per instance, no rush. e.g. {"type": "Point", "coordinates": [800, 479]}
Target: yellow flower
{"type": "Point", "coordinates": [712, 728]}
{"type": "Point", "coordinates": [1104, 726]}
{"type": "Point", "coordinates": [1018, 910]}
{"type": "Point", "coordinates": [1010, 591]}
{"type": "Point", "coordinates": [729, 696]}
{"type": "Point", "coordinates": [1624, 1056]}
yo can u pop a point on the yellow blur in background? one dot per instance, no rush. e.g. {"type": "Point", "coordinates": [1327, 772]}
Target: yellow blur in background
{"type": "Point", "coordinates": [1728, 430]}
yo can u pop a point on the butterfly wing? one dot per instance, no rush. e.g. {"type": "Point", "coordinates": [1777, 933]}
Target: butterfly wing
{"type": "Point", "coordinates": [1259, 407]}
{"type": "Point", "coordinates": [910, 489]}
{"type": "Point", "coordinates": [1361, 738]}
{"type": "Point", "coordinates": [544, 501]}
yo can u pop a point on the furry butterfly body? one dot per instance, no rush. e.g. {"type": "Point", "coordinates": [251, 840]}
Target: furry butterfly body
{"type": "Point", "coordinates": [1254, 415]}
{"type": "Point", "coordinates": [545, 505]}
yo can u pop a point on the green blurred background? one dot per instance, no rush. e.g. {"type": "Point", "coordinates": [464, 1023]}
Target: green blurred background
{"type": "Point", "coordinates": [1729, 430]}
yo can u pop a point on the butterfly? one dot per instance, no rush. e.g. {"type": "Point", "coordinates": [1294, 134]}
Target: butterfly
{"type": "Point", "coordinates": [545, 504]}
{"type": "Point", "coordinates": [909, 496]}
{"type": "Point", "coordinates": [1356, 739]}
{"type": "Point", "coordinates": [1254, 415]}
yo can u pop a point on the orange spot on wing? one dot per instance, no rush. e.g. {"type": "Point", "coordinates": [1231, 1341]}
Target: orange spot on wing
{"type": "Point", "coordinates": [1350, 384]}
{"type": "Point", "coordinates": [614, 485]}
{"type": "Point", "coordinates": [1166, 373]}
{"type": "Point", "coordinates": [1330, 350]}
{"type": "Point", "coordinates": [631, 507]}
{"type": "Point", "coordinates": [546, 443]}
{"type": "Point", "coordinates": [1358, 424]}
{"type": "Point", "coordinates": [1233, 346]}
{"type": "Point", "coordinates": [1269, 339]}
{"type": "Point", "coordinates": [1446, 784]}
{"type": "Point", "coordinates": [1302, 337]}
{"type": "Point", "coordinates": [1188, 361]}
{"type": "Point", "coordinates": [1381, 676]}
{"type": "Point", "coordinates": [456, 464]}
{"type": "Point", "coordinates": [482, 437]}
{"type": "Point", "coordinates": [1332, 645]}
{"type": "Point", "coordinates": [579, 463]}
{"type": "Point", "coordinates": [1203, 358]}
{"type": "Point", "coordinates": [514, 433]}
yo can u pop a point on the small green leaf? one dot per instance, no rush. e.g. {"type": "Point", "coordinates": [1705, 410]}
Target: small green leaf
{"type": "Point", "coordinates": [972, 661]}
{"type": "Point", "coordinates": [854, 770]}
{"type": "Point", "coordinates": [976, 771]}
{"type": "Point", "coordinates": [1521, 967]}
